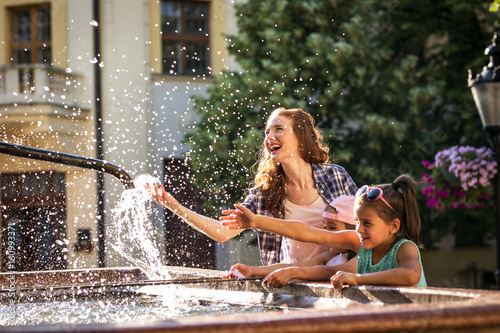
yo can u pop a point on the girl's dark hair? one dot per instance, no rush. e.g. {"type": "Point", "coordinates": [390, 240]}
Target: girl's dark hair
{"type": "Point", "coordinates": [402, 197]}
{"type": "Point", "coordinates": [270, 177]}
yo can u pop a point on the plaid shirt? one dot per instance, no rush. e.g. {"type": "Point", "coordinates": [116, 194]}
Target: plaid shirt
{"type": "Point", "coordinates": [331, 181]}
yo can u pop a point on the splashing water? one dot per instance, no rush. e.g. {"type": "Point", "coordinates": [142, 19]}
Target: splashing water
{"type": "Point", "coordinates": [133, 237]}
{"type": "Point", "coordinates": [132, 231]}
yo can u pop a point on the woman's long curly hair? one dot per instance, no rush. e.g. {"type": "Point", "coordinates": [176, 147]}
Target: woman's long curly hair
{"type": "Point", "coordinates": [270, 177]}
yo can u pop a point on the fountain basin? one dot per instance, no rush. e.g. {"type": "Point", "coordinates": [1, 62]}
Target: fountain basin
{"type": "Point", "coordinates": [311, 306]}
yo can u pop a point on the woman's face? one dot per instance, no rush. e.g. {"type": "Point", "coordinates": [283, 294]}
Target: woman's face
{"type": "Point", "coordinates": [281, 142]}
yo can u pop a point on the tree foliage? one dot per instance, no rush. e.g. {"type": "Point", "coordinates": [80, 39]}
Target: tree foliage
{"type": "Point", "coordinates": [386, 81]}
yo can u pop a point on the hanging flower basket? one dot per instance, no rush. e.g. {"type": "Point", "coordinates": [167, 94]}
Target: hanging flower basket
{"type": "Point", "coordinates": [460, 177]}
{"type": "Point", "coordinates": [450, 176]}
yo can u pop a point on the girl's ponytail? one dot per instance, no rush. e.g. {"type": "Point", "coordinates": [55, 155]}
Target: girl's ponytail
{"type": "Point", "coordinates": [403, 187]}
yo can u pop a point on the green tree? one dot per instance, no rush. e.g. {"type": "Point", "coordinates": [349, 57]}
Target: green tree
{"type": "Point", "coordinates": [386, 81]}
{"type": "Point", "coordinates": [449, 38]}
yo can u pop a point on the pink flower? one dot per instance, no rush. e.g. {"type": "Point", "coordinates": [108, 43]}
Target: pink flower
{"type": "Point", "coordinates": [428, 190]}
{"type": "Point", "coordinates": [484, 196]}
{"type": "Point", "coordinates": [474, 171]}
{"type": "Point", "coordinates": [431, 203]}
{"type": "Point", "coordinates": [472, 182]}
{"type": "Point", "coordinates": [427, 164]}
{"type": "Point", "coordinates": [424, 179]}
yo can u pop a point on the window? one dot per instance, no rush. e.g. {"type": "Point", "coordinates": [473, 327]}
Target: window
{"type": "Point", "coordinates": [34, 219]}
{"type": "Point", "coordinates": [185, 43]}
{"type": "Point", "coordinates": [31, 35]}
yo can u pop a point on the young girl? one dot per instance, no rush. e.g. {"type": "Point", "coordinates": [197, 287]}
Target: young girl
{"type": "Point", "coordinates": [386, 236]}
{"type": "Point", "coordinates": [337, 216]}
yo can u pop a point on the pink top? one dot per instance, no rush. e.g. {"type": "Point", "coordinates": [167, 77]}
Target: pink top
{"type": "Point", "coordinates": [310, 214]}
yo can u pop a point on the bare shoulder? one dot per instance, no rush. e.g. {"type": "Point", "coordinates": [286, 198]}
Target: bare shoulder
{"type": "Point", "coordinates": [408, 250]}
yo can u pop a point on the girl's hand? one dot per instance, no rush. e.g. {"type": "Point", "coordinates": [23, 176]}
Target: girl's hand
{"type": "Point", "coordinates": [162, 197]}
{"type": "Point", "coordinates": [278, 278]}
{"type": "Point", "coordinates": [246, 270]}
{"type": "Point", "coordinates": [341, 279]}
{"type": "Point", "coordinates": [239, 218]}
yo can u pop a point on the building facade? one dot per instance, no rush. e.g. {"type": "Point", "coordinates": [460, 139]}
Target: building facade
{"type": "Point", "coordinates": [108, 79]}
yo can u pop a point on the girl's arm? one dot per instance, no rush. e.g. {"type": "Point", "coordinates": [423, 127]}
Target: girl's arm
{"type": "Point", "coordinates": [258, 271]}
{"type": "Point", "coordinates": [280, 277]}
{"type": "Point", "coordinates": [407, 274]}
{"type": "Point", "coordinates": [208, 226]}
{"type": "Point", "coordinates": [338, 241]}
{"type": "Point", "coordinates": [252, 271]}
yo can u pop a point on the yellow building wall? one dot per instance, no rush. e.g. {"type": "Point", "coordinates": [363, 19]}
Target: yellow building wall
{"type": "Point", "coordinates": [448, 266]}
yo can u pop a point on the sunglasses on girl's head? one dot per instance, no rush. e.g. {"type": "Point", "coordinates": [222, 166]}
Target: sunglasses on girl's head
{"type": "Point", "coordinates": [372, 194]}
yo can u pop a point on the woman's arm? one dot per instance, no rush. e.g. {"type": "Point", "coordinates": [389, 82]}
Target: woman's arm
{"type": "Point", "coordinates": [407, 274]}
{"type": "Point", "coordinates": [338, 241]}
{"type": "Point", "coordinates": [208, 226]}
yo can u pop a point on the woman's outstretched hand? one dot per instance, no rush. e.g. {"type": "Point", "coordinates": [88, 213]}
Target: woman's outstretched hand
{"type": "Point", "coordinates": [239, 218]}
{"type": "Point", "coordinates": [162, 197]}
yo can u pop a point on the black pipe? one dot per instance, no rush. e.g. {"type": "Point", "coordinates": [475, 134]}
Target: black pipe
{"type": "Point", "coordinates": [99, 134]}
{"type": "Point", "coordinates": [67, 159]}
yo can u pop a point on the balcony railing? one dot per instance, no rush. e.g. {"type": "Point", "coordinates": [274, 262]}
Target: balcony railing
{"type": "Point", "coordinates": [41, 84]}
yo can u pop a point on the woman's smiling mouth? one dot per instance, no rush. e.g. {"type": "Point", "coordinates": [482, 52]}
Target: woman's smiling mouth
{"type": "Point", "coordinates": [274, 147]}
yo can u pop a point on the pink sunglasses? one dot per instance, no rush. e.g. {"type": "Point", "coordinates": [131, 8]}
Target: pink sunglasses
{"type": "Point", "coordinates": [372, 194]}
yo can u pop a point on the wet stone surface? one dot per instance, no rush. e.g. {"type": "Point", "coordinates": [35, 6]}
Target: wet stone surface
{"type": "Point", "coordinates": [217, 305]}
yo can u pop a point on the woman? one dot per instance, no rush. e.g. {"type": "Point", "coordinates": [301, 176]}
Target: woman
{"type": "Point", "coordinates": [293, 182]}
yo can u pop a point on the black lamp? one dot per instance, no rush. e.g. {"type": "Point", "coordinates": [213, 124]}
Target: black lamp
{"type": "Point", "coordinates": [485, 88]}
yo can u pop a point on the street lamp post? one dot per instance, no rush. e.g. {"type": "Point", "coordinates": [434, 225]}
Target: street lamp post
{"type": "Point", "coordinates": [485, 88]}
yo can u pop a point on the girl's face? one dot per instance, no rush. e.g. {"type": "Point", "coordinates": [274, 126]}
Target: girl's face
{"type": "Point", "coordinates": [372, 230]}
{"type": "Point", "coordinates": [333, 225]}
{"type": "Point", "coordinates": [281, 142]}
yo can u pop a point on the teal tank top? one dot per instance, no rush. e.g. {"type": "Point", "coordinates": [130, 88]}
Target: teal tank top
{"type": "Point", "coordinates": [388, 262]}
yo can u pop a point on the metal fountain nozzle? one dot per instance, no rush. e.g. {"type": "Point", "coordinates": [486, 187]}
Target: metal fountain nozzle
{"type": "Point", "coordinates": [68, 159]}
